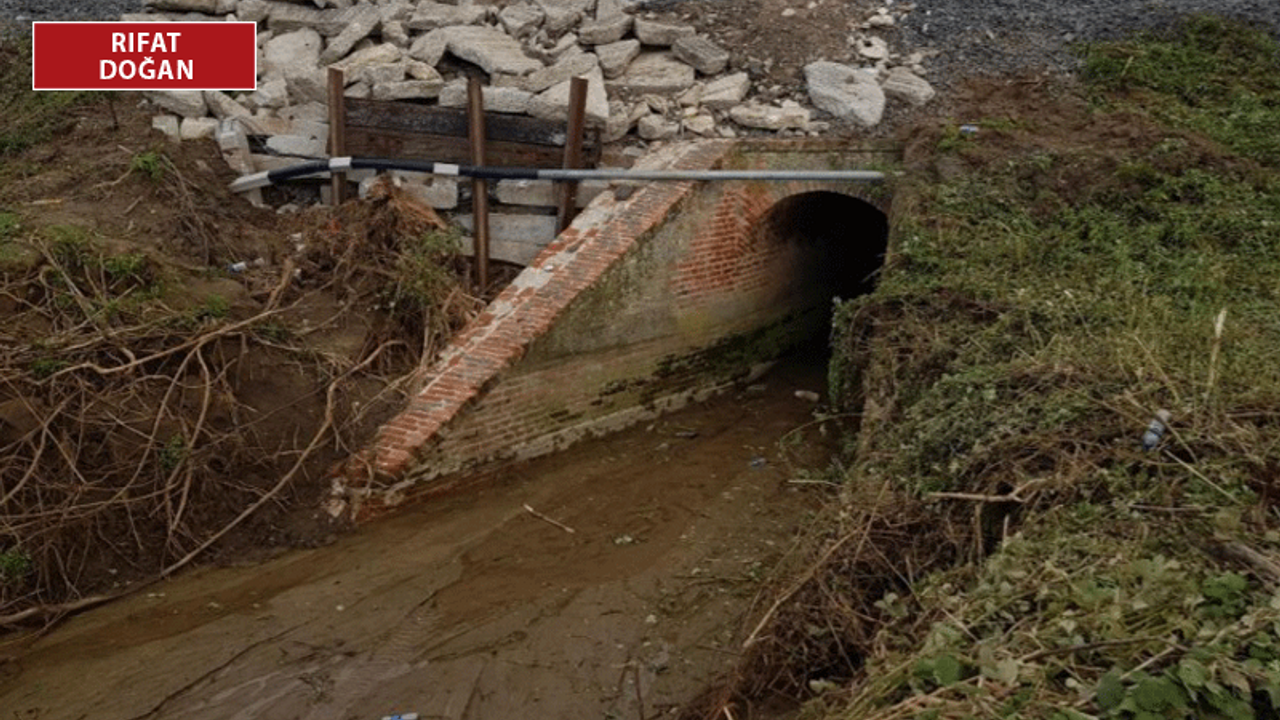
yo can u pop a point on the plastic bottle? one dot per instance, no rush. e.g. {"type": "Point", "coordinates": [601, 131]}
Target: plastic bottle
{"type": "Point", "coordinates": [1155, 431]}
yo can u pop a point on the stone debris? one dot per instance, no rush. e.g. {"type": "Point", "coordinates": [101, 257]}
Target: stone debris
{"type": "Point", "coordinates": [846, 92]}
{"type": "Point", "coordinates": [705, 56]}
{"type": "Point", "coordinates": [647, 76]}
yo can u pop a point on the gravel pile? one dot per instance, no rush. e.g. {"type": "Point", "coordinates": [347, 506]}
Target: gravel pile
{"type": "Point", "coordinates": [25, 11]}
{"type": "Point", "coordinates": [991, 37]}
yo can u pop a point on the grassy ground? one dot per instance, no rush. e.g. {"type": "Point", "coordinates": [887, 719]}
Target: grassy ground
{"type": "Point", "coordinates": [1005, 547]}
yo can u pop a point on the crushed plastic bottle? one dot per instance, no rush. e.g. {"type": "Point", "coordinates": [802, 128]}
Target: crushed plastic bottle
{"type": "Point", "coordinates": [1156, 430]}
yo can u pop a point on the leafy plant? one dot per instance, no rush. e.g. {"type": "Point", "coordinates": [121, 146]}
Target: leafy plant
{"type": "Point", "coordinates": [151, 163]}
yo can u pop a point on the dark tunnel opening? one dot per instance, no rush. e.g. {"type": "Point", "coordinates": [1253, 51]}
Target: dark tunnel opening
{"type": "Point", "coordinates": [834, 246]}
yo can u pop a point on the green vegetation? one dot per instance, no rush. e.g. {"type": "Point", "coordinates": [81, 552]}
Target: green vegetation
{"type": "Point", "coordinates": [15, 565]}
{"type": "Point", "coordinates": [1041, 306]}
{"type": "Point", "coordinates": [30, 117]}
{"type": "Point", "coordinates": [151, 163]}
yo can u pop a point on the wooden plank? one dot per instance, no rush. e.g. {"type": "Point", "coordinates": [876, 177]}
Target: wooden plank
{"type": "Point", "coordinates": [383, 116]}
{"type": "Point", "coordinates": [337, 132]}
{"type": "Point", "coordinates": [393, 144]}
{"type": "Point", "coordinates": [567, 206]}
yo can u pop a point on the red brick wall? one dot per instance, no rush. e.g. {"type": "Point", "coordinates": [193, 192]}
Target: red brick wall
{"type": "Point", "coordinates": [620, 318]}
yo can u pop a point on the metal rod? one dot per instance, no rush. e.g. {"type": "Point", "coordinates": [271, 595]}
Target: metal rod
{"type": "Point", "coordinates": [316, 167]}
{"type": "Point", "coordinates": [479, 190]}
{"type": "Point", "coordinates": [572, 151]}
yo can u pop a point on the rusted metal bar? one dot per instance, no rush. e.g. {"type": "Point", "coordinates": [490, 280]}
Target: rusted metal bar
{"type": "Point", "coordinates": [479, 190]}
{"type": "Point", "coordinates": [337, 132]}
{"type": "Point", "coordinates": [568, 195]}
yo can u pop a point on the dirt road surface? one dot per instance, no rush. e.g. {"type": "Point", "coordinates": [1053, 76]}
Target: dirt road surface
{"type": "Point", "coordinates": [469, 607]}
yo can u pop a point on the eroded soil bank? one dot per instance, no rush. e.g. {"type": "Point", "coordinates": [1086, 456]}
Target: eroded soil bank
{"type": "Point", "coordinates": [471, 606]}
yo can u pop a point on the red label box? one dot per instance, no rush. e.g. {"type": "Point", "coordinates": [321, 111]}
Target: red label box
{"type": "Point", "coordinates": [144, 56]}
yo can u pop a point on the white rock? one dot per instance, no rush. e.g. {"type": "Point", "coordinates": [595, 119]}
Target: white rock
{"type": "Point", "coordinates": [496, 99]}
{"type": "Point", "coordinates": [701, 124]}
{"type": "Point", "coordinates": [187, 103]}
{"type": "Point", "coordinates": [655, 72]}
{"type": "Point", "coordinates": [394, 32]}
{"type": "Point", "coordinates": [603, 32]}
{"type": "Point", "coordinates": [296, 145]}
{"type": "Point", "coordinates": [197, 128]}
{"type": "Point", "coordinates": [439, 193]}
{"type": "Point", "coordinates": [208, 7]}
{"type": "Point", "coordinates": [252, 10]}
{"type": "Point", "coordinates": [656, 127]}
{"type": "Point", "coordinates": [553, 103]}
{"type": "Point", "coordinates": [492, 50]}
{"type": "Point", "coordinates": [845, 92]}
{"type": "Point", "coordinates": [651, 32]}
{"type": "Point", "coordinates": [726, 92]}
{"type": "Point", "coordinates": [407, 89]}
{"type": "Point", "coordinates": [766, 117]}
{"type": "Point", "coordinates": [903, 84]}
{"type": "Point", "coordinates": [312, 87]}
{"type": "Point", "coordinates": [314, 112]}
{"type": "Point", "coordinates": [167, 124]}
{"type": "Point", "coordinates": [873, 48]}
{"type": "Point", "coordinates": [430, 47]}
{"type": "Point", "coordinates": [362, 23]}
{"type": "Point", "coordinates": [521, 19]}
{"type": "Point", "coordinates": [271, 93]}
{"type": "Point", "coordinates": [560, 17]}
{"type": "Point", "coordinates": [419, 70]}
{"type": "Point", "coordinates": [615, 57]}
{"type": "Point", "coordinates": [356, 62]}
{"type": "Point", "coordinates": [700, 52]}
{"type": "Point", "coordinates": [569, 67]}
{"type": "Point", "coordinates": [431, 15]}
{"type": "Point", "coordinates": [292, 54]}
{"type": "Point", "coordinates": [381, 73]}
{"type": "Point", "coordinates": [222, 106]}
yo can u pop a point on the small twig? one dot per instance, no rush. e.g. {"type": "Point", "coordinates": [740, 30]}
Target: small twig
{"type": "Point", "coordinates": [976, 497]}
{"type": "Point", "coordinates": [544, 518]}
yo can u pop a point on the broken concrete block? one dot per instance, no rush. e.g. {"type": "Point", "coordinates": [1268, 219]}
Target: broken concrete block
{"type": "Point", "coordinates": [521, 19]}
{"type": "Point", "coordinates": [725, 92]}
{"type": "Point", "coordinates": [700, 52]}
{"type": "Point", "coordinates": [569, 67]}
{"type": "Point", "coordinates": [311, 87]}
{"type": "Point", "coordinates": [394, 32]}
{"type": "Point", "coordinates": [296, 145]}
{"type": "Point", "coordinates": [701, 124]}
{"type": "Point", "coordinates": [363, 21]}
{"type": "Point", "coordinates": [408, 89]}
{"type": "Point", "coordinates": [440, 193]}
{"type": "Point", "coordinates": [222, 106]}
{"type": "Point", "coordinates": [432, 15]}
{"type": "Point", "coordinates": [615, 57]}
{"type": "Point", "coordinates": [305, 112]}
{"type": "Point", "coordinates": [286, 17]}
{"type": "Point", "coordinates": [271, 93]}
{"type": "Point", "coordinates": [379, 74]}
{"type": "Point", "coordinates": [254, 11]}
{"type": "Point", "coordinates": [654, 72]}
{"type": "Point", "coordinates": [197, 128]}
{"type": "Point", "coordinates": [603, 32]}
{"type": "Point", "coordinates": [766, 117]}
{"type": "Point", "coordinates": [553, 103]}
{"type": "Point", "coordinates": [492, 50]}
{"type": "Point", "coordinates": [292, 54]}
{"type": "Point", "coordinates": [496, 99]}
{"type": "Point", "coordinates": [430, 47]}
{"type": "Point", "coordinates": [562, 15]}
{"type": "Point", "coordinates": [652, 32]}
{"type": "Point", "coordinates": [187, 103]}
{"type": "Point", "coordinates": [167, 124]}
{"type": "Point", "coordinates": [355, 63]}
{"type": "Point", "coordinates": [906, 85]}
{"type": "Point", "coordinates": [845, 92]}
{"type": "Point", "coordinates": [656, 127]}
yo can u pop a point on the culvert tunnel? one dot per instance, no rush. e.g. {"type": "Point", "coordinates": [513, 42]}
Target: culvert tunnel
{"type": "Point", "coordinates": [835, 246]}
{"type": "Point", "coordinates": [647, 302]}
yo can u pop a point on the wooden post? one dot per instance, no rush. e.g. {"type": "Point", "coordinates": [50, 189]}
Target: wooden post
{"type": "Point", "coordinates": [337, 132]}
{"type": "Point", "coordinates": [568, 195]}
{"type": "Point", "coordinates": [479, 192]}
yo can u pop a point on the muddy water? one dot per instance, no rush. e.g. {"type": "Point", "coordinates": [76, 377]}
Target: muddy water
{"type": "Point", "coordinates": [469, 607]}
